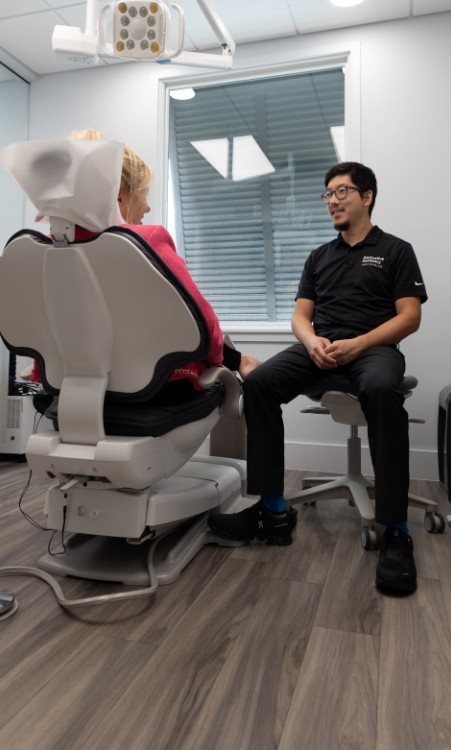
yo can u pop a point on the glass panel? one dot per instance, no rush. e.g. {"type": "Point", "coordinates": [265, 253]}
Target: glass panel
{"type": "Point", "coordinates": [247, 164]}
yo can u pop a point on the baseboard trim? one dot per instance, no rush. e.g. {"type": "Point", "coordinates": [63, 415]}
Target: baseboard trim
{"type": "Point", "coordinates": [332, 458]}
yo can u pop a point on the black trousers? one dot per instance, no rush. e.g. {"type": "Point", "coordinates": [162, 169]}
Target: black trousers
{"type": "Point", "coordinates": [377, 374]}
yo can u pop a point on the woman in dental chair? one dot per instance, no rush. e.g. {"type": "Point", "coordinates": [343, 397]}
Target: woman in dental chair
{"type": "Point", "coordinates": [132, 200]}
{"type": "Point", "coordinates": [135, 182]}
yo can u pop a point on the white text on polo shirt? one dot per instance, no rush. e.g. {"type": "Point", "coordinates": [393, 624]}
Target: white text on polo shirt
{"type": "Point", "coordinates": [373, 260]}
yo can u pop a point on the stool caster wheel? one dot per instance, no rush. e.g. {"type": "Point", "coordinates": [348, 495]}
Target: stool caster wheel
{"type": "Point", "coordinates": [369, 538]}
{"type": "Point", "coordinates": [434, 523]}
{"type": "Point", "coordinates": [310, 504]}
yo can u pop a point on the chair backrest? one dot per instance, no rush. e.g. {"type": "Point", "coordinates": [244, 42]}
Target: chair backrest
{"type": "Point", "coordinates": [105, 315]}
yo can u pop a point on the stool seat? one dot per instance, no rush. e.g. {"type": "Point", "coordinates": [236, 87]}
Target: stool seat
{"type": "Point", "coordinates": [335, 381]}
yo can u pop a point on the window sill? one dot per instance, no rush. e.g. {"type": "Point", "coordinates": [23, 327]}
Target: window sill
{"type": "Point", "coordinates": [253, 332]}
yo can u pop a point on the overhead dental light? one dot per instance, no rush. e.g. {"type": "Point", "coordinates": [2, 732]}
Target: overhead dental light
{"type": "Point", "coordinates": [141, 30]}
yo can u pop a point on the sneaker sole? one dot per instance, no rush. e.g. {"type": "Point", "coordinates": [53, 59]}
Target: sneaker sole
{"type": "Point", "coordinates": [275, 541]}
{"type": "Point", "coordinates": [392, 586]}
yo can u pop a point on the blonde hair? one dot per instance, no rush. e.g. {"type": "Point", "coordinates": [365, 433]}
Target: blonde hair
{"type": "Point", "coordinates": [136, 174]}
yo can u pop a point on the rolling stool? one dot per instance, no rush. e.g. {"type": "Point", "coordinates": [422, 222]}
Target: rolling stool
{"type": "Point", "coordinates": [335, 394]}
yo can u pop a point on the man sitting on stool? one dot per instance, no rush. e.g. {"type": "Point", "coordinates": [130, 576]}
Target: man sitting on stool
{"type": "Point", "coordinates": [359, 296]}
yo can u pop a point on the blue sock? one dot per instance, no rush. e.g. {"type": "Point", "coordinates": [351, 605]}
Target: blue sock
{"type": "Point", "coordinates": [275, 503]}
{"type": "Point", "coordinates": [401, 526]}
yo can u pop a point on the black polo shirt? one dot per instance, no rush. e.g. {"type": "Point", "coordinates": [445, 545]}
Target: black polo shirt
{"type": "Point", "coordinates": [355, 288]}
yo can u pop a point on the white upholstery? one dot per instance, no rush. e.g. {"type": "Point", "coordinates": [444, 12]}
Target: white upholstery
{"type": "Point", "coordinates": [72, 326]}
{"type": "Point", "coordinates": [75, 180]}
{"type": "Point", "coordinates": [106, 319]}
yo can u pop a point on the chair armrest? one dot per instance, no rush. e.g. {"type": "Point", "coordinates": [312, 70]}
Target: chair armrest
{"type": "Point", "coordinates": [233, 404]}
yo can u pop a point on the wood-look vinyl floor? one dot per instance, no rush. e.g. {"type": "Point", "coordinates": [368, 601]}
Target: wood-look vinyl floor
{"type": "Point", "coordinates": [252, 648]}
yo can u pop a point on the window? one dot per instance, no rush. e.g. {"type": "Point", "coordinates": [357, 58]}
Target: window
{"type": "Point", "coordinates": [247, 166]}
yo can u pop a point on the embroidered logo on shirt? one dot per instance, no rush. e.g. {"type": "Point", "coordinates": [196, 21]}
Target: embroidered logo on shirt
{"type": "Point", "coordinates": [373, 260]}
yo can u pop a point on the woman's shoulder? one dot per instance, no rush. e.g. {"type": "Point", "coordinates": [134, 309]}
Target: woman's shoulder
{"type": "Point", "coordinates": [154, 233]}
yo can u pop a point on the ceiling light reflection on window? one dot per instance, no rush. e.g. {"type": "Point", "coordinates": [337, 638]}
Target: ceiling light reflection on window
{"type": "Point", "coordinates": [182, 94]}
{"type": "Point", "coordinates": [337, 133]}
{"type": "Point", "coordinates": [247, 158]}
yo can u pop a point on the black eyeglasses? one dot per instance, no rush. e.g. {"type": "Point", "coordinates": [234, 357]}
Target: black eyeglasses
{"type": "Point", "coordinates": [340, 193]}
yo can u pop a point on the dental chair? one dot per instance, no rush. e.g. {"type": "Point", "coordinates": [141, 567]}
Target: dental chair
{"type": "Point", "coordinates": [336, 398]}
{"type": "Point", "coordinates": [108, 322]}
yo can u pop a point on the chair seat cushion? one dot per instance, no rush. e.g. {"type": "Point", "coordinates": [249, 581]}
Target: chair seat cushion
{"type": "Point", "coordinates": [147, 419]}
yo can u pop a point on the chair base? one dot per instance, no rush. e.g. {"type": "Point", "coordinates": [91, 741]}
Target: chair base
{"type": "Point", "coordinates": [166, 546]}
{"type": "Point", "coordinates": [345, 408]}
{"type": "Point", "coordinates": [114, 560]}
{"type": "Point", "coordinates": [354, 487]}
{"type": "Point", "coordinates": [360, 493]}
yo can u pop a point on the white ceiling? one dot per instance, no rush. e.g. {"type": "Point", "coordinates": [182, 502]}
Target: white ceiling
{"type": "Point", "coordinates": [26, 26]}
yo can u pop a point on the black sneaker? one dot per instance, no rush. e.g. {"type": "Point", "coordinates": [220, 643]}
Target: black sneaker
{"type": "Point", "coordinates": [256, 522]}
{"type": "Point", "coordinates": [396, 567]}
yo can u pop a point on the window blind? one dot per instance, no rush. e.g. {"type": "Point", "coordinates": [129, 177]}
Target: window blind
{"type": "Point", "coordinates": [245, 241]}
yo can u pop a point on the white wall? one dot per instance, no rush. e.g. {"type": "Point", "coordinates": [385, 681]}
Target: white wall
{"type": "Point", "coordinates": [14, 102]}
{"type": "Point", "coordinates": [405, 116]}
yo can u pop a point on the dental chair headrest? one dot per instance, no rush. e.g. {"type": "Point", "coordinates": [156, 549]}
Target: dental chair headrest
{"type": "Point", "coordinates": [75, 180]}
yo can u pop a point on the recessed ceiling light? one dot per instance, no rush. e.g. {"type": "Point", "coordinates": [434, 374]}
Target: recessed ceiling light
{"type": "Point", "coordinates": [346, 3]}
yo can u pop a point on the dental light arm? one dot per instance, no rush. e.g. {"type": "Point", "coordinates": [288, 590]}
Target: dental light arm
{"type": "Point", "coordinates": [141, 30]}
{"type": "Point", "coordinates": [222, 34]}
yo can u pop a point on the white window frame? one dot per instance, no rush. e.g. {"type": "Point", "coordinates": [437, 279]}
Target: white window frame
{"type": "Point", "coordinates": [345, 56]}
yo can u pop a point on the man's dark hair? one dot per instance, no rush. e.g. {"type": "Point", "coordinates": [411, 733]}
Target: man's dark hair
{"type": "Point", "coordinates": [362, 177]}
